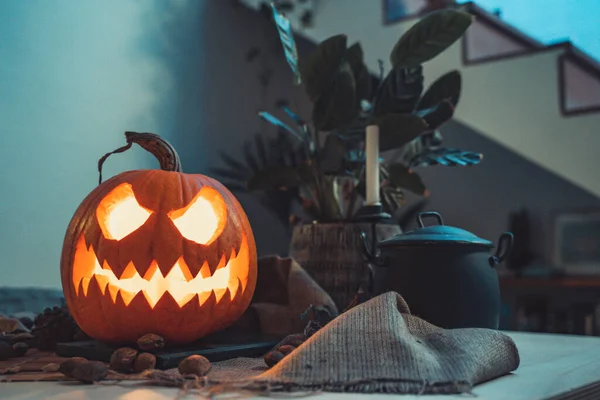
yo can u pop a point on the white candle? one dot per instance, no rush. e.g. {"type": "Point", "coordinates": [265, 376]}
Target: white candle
{"type": "Point", "coordinates": [372, 165]}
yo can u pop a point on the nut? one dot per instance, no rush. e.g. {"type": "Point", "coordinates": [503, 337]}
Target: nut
{"type": "Point", "coordinates": [122, 359]}
{"type": "Point", "coordinates": [293, 340]}
{"type": "Point", "coordinates": [67, 366]}
{"type": "Point", "coordinates": [194, 365]}
{"type": "Point", "coordinates": [286, 349]}
{"type": "Point", "coordinates": [272, 358]}
{"type": "Point", "coordinates": [144, 361]}
{"type": "Point", "coordinates": [90, 371]}
{"type": "Point", "coordinates": [151, 342]}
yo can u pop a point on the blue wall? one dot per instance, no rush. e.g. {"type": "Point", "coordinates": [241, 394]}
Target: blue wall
{"type": "Point", "coordinates": [74, 75]}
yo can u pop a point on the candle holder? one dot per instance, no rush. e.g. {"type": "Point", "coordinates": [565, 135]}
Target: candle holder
{"type": "Point", "coordinates": [374, 214]}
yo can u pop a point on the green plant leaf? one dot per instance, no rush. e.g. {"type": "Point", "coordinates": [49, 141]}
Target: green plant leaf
{"type": "Point", "coordinates": [429, 37]}
{"type": "Point", "coordinates": [319, 69]}
{"type": "Point", "coordinates": [447, 157]}
{"type": "Point", "coordinates": [395, 130]}
{"type": "Point", "coordinates": [278, 177]}
{"type": "Point", "coordinates": [399, 92]}
{"type": "Point", "coordinates": [402, 177]}
{"type": "Point", "coordinates": [392, 198]}
{"type": "Point", "coordinates": [277, 122]}
{"type": "Point", "coordinates": [337, 107]}
{"type": "Point", "coordinates": [354, 56]}
{"type": "Point", "coordinates": [437, 115]}
{"type": "Point", "coordinates": [331, 156]}
{"type": "Point", "coordinates": [286, 36]}
{"type": "Point", "coordinates": [446, 87]}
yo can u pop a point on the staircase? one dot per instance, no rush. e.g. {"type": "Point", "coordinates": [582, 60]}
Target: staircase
{"type": "Point", "coordinates": [542, 102]}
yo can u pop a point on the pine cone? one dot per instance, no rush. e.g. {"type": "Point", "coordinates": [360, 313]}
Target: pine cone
{"type": "Point", "coordinates": [54, 325]}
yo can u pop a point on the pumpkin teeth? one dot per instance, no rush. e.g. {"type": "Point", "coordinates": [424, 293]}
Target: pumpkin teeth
{"type": "Point", "coordinates": [228, 281]}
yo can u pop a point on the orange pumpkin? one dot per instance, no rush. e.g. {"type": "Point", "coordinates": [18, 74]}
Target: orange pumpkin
{"type": "Point", "coordinates": [158, 251]}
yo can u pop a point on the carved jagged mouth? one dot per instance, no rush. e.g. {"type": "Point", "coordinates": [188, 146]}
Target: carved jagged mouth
{"type": "Point", "coordinates": [229, 275]}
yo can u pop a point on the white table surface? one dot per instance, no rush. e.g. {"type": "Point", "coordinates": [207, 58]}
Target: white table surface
{"type": "Point", "coordinates": [550, 364]}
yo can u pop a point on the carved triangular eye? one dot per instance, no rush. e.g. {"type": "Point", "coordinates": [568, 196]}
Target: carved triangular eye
{"type": "Point", "coordinates": [120, 214]}
{"type": "Point", "coordinates": [203, 220]}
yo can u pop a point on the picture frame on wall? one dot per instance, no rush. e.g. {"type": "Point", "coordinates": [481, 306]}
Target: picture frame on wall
{"type": "Point", "coordinates": [399, 10]}
{"type": "Point", "coordinates": [576, 248]}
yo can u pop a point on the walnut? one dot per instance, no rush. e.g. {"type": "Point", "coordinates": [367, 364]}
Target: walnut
{"type": "Point", "coordinates": [144, 361]}
{"type": "Point", "coordinates": [272, 358]}
{"type": "Point", "coordinates": [194, 365]}
{"type": "Point", "coordinates": [150, 342]}
{"type": "Point", "coordinates": [122, 359]}
{"type": "Point", "coordinates": [83, 370]}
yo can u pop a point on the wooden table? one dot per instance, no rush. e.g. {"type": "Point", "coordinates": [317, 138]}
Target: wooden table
{"type": "Point", "coordinates": [550, 365]}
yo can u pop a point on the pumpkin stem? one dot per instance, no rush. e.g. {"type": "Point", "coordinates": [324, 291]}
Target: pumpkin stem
{"type": "Point", "coordinates": [161, 149]}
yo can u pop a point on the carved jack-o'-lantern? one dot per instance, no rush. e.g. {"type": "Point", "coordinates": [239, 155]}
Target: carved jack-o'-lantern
{"type": "Point", "coordinates": [158, 251]}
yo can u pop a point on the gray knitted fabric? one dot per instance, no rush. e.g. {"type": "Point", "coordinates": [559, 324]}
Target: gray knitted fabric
{"type": "Point", "coordinates": [379, 346]}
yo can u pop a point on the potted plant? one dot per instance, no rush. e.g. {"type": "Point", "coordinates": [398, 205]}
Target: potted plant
{"type": "Point", "coordinates": [320, 166]}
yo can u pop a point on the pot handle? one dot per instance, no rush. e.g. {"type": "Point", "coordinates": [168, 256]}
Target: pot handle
{"type": "Point", "coordinates": [371, 258]}
{"type": "Point", "coordinates": [505, 245]}
{"type": "Point", "coordinates": [435, 214]}
{"type": "Point", "coordinates": [372, 252]}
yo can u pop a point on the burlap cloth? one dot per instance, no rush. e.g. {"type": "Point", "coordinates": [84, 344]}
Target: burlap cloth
{"type": "Point", "coordinates": [284, 290]}
{"type": "Point", "coordinates": [379, 346]}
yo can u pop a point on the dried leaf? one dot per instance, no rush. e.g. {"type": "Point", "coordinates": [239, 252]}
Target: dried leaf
{"type": "Point", "coordinates": [319, 69]}
{"type": "Point", "coordinates": [286, 36]}
{"type": "Point", "coordinates": [447, 157]}
{"type": "Point", "coordinates": [395, 130]}
{"type": "Point", "coordinates": [429, 37]}
{"type": "Point", "coordinates": [437, 115]}
{"type": "Point", "coordinates": [402, 177]}
{"type": "Point", "coordinates": [446, 87]}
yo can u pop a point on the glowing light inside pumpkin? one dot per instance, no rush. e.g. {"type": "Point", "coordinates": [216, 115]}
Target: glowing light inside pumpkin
{"type": "Point", "coordinates": [179, 282]}
{"type": "Point", "coordinates": [203, 220]}
{"type": "Point", "coordinates": [119, 213]}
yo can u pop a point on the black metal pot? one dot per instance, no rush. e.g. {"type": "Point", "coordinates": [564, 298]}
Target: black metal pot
{"type": "Point", "coordinates": [445, 274]}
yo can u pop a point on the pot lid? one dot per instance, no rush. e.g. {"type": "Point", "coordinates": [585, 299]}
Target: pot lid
{"type": "Point", "coordinates": [434, 235]}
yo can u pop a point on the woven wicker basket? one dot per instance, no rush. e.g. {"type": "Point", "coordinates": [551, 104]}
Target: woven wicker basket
{"type": "Point", "coordinates": [332, 253]}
